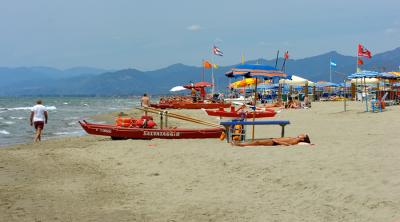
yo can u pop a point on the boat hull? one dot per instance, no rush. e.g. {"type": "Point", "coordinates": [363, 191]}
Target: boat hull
{"type": "Point", "coordinates": [223, 113]}
{"type": "Point", "coordinates": [191, 105]}
{"type": "Point", "coordinates": [117, 132]}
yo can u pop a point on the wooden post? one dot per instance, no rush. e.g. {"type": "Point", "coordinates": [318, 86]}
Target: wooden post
{"type": "Point", "coordinates": [306, 89]}
{"type": "Point", "coordinates": [161, 120]}
{"type": "Point", "coordinates": [279, 93]}
{"type": "Point", "coordinates": [166, 119]}
{"type": "Point", "coordinates": [314, 93]}
{"type": "Point", "coordinates": [353, 91]}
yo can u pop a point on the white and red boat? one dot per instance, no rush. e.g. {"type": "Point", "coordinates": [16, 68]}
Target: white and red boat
{"type": "Point", "coordinates": [119, 132]}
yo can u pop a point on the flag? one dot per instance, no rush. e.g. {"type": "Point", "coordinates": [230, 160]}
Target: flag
{"type": "Point", "coordinates": [333, 64]}
{"type": "Point", "coordinates": [215, 66]}
{"type": "Point", "coordinates": [363, 51]}
{"type": "Point", "coordinates": [243, 58]}
{"type": "Point", "coordinates": [206, 64]}
{"type": "Point", "coordinates": [286, 55]}
{"type": "Point", "coordinates": [360, 62]}
{"type": "Point", "coordinates": [217, 51]}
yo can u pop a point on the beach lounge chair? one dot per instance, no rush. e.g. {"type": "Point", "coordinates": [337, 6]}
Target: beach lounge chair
{"type": "Point", "coordinates": [324, 97]}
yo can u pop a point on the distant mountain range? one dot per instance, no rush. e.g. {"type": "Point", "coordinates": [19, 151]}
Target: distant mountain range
{"type": "Point", "coordinates": [99, 82]}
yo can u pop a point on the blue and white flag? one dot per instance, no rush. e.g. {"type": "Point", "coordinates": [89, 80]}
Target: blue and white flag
{"type": "Point", "coordinates": [333, 64]}
{"type": "Point", "coordinates": [217, 51]}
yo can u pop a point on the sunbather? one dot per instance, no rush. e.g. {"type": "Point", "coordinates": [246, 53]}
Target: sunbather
{"type": "Point", "coordinates": [285, 141]}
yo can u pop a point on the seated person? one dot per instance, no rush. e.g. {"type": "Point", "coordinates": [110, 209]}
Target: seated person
{"type": "Point", "coordinates": [307, 102]}
{"type": "Point", "coordinates": [285, 141]}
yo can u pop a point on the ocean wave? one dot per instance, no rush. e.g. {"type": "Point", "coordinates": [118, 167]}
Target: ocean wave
{"type": "Point", "coordinates": [65, 103]}
{"type": "Point", "coordinates": [72, 123]}
{"type": "Point", "coordinates": [17, 117]}
{"type": "Point", "coordinates": [27, 108]}
{"type": "Point", "coordinates": [4, 132]}
{"type": "Point", "coordinates": [68, 133]}
{"type": "Point", "coordinates": [8, 122]}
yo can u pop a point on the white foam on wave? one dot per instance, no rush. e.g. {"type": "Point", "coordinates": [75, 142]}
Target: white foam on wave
{"type": "Point", "coordinates": [4, 132]}
{"type": "Point", "coordinates": [65, 103]}
{"type": "Point", "coordinates": [72, 123]}
{"type": "Point", "coordinates": [28, 108]}
{"type": "Point", "coordinates": [68, 133]}
{"type": "Point", "coordinates": [9, 122]}
{"type": "Point", "coordinates": [17, 117]}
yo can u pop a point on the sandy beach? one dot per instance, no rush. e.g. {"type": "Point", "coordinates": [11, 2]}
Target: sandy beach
{"type": "Point", "coordinates": [352, 173]}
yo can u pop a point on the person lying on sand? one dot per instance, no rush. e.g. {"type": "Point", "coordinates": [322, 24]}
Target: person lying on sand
{"type": "Point", "coordinates": [274, 105]}
{"type": "Point", "coordinates": [285, 141]}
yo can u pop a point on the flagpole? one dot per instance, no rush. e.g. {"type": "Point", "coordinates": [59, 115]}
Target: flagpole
{"type": "Point", "coordinates": [276, 60]}
{"type": "Point", "coordinates": [330, 70]}
{"type": "Point", "coordinates": [202, 63]}
{"type": "Point", "coordinates": [212, 77]}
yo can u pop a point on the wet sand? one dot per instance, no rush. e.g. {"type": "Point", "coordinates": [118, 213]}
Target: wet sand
{"type": "Point", "coordinates": [351, 174]}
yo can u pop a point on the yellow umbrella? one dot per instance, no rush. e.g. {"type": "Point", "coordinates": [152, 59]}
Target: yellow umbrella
{"type": "Point", "coordinates": [244, 82]}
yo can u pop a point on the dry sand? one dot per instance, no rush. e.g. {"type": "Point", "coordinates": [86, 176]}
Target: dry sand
{"type": "Point", "coordinates": [351, 174]}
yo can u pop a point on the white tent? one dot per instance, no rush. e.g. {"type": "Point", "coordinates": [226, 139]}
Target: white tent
{"type": "Point", "coordinates": [296, 80]}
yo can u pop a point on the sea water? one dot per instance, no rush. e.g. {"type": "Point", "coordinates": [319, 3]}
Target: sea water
{"type": "Point", "coordinates": [64, 114]}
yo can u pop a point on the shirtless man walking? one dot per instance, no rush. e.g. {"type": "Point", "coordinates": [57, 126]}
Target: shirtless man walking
{"type": "Point", "coordinates": [38, 118]}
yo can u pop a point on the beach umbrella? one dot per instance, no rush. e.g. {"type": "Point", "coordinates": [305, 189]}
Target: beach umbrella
{"type": "Point", "coordinates": [199, 86]}
{"type": "Point", "coordinates": [244, 83]}
{"type": "Point", "coordinates": [323, 84]}
{"type": "Point", "coordinates": [177, 88]}
{"type": "Point", "coordinates": [256, 71]}
{"type": "Point", "coordinates": [297, 81]}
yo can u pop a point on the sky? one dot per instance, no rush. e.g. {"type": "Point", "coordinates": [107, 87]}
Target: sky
{"type": "Point", "coordinates": [150, 34]}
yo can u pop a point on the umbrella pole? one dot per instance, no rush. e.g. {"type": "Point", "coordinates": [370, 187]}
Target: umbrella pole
{"type": "Point", "coordinates": [366, 94]}
{"type": "Point", "coordinates": [254, 111]}
{"type": "Point", "coordinates": [345, 91]}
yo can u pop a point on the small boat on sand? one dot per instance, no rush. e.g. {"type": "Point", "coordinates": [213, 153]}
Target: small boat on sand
{"type": "Point", "coordinates": [119, 132]}
{"type": "Point", "coordinates": [190, 105]}
{"type": "Point", "coordinates": [241, 113]}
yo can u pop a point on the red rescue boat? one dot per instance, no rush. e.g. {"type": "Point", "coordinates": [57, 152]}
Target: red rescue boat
{"type": "Point", "coordinates": [242, 114]}
{"type": "Point", "coordinates": [118, 132]}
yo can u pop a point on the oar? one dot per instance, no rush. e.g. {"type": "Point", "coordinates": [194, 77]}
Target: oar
{"type": "Point", "coordinates": [182, 117]}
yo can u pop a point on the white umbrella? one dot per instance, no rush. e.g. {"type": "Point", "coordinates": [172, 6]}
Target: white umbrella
{"type": "Point", "coordinates": [177, 88]}
{"type": "Point", "coordinates": [296, 80]}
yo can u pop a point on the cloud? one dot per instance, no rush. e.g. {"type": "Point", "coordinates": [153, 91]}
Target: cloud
{"type": "Point", "coordinates": [218, 40]}
{"type": "Point", "coordinates": [390, 30]}
{"type": "Point", "coordinates": [194, 28]}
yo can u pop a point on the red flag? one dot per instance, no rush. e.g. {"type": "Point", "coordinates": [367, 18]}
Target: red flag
{"type": "Point", "coordinates": [367, 53]}
{"type": "Point", "coordinates": [286, 55]}
{"type": "Point", "coordinates": [360, 50]}
{"type": "Point", "coordinates": [360, 62]}
{"type": "Point", "coordinates": [363, 52]}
